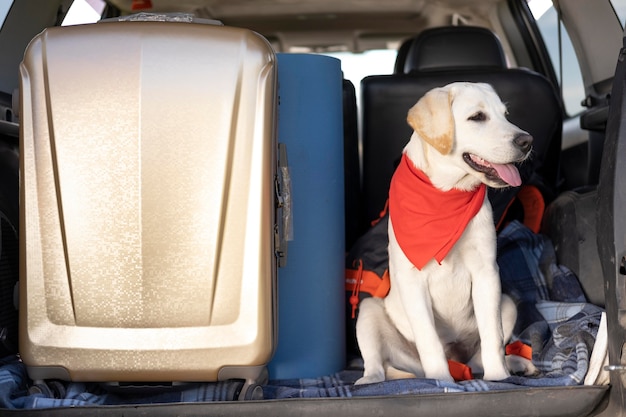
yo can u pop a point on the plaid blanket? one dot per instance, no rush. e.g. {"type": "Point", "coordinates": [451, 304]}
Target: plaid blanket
{"type": "Point", "coordinates": [553, 318]}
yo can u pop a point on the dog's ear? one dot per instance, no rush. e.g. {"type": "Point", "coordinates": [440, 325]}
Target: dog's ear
{"type": "Point", "coordinates": [431, 117]}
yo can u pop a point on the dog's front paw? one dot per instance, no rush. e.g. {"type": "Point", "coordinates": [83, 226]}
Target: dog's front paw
{"type": "Point", "coordinates": [521, 366]}
{"type": "Point", "coordinates": [496, 374]}
{"type": "Point", "coordinates": [370, 379]}
{"type": "Point", "coordinates": [442, 374]}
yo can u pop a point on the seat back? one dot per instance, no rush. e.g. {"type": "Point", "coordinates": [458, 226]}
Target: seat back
{"type": "Point", "coordinates": [438, 57]}
{"type": "Point", "coordinates": [352, 173]}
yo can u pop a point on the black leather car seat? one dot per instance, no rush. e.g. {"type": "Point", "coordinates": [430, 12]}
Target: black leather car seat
{"type": "Point", "coordinates": [438, 57]}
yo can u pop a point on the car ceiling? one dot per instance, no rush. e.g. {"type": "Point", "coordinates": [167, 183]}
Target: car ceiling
{"type": "Point", "coordinates": [354, 24]}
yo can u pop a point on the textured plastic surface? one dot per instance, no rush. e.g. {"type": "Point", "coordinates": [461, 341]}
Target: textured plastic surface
{"type": "Point", "coordinates": [148, 164]}
{"type": "Point", "coordinates": [570, 222]}
{"type": "Point", "coordinates": [311, 337]}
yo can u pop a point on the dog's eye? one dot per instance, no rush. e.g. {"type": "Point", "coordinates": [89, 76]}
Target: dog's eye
{"type": "Point", "coordinates": [478, 117]}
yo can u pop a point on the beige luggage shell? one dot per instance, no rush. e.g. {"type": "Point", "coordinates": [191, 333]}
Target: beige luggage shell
{"type": "Point", "coordinates": [147, 203]}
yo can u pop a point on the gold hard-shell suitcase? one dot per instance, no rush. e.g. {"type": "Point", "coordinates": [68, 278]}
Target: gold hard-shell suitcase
{"type": "Point", "coordinates": [148, 163]}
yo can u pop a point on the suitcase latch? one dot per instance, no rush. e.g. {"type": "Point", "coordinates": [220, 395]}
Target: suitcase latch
{"type": "Point", "coordinates": [283, 230]}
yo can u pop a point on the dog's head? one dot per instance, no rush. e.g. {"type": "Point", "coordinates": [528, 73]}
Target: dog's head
{"type": "Point", "coordinates": [466, 123]}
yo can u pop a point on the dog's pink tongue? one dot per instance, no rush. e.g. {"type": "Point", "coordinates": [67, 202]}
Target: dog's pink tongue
{"type": "Point", "coordinates": [508, 173]}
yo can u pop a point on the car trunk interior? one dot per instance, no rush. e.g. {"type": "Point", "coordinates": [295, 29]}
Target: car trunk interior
{"type": "Point", "coordinates": [584, 218]}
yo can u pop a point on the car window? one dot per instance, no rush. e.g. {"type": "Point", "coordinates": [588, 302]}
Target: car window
{"type": "Point", "coordinates": [564, 61]}
{"type": "Point", "coordinates": [620, 9]}
{"type": "Point", "coordinates": [84, 11]}
{"type": "Point", "coordinates": [5, 6]}
{"type": "Point", "coordinates": [356, 66]}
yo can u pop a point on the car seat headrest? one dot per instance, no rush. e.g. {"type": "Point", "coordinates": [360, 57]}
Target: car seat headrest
{"type": "Point", "coordinates": [454, 47]}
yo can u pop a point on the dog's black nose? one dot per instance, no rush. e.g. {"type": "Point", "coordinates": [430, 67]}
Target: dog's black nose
{"type": "Point", "coordinates": [523, 141]}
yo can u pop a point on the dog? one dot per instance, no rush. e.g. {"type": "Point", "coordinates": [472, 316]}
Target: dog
{"type": "Point", "coordinates": [445, 301]}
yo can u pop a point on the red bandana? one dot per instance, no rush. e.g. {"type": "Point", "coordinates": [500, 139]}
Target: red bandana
{"type": "Point", "coordinates": [427, 221]}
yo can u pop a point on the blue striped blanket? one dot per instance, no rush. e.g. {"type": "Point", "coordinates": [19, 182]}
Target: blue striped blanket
{"type": "Point", "coordinates": [554, 319]}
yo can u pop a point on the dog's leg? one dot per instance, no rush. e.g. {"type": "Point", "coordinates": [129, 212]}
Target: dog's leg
{"type": "Point", "coordinates": [515, 364]}
{"type": "Point", "coordinates": [509, 315]}
{"type": "Point", "coordinates": [386, 353]}
{"type": "Point", "coordinates": [417, 305]}
{"type": "Point", "coordinates": [410, 300]}
{"type": "Point", "coordinates": [487, 300]}
{"type": "Point", "coordinates": [371, 338]}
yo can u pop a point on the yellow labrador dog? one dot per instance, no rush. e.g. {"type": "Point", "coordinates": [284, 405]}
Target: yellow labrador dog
{"type": "Point", "coordinates": [445, 300]}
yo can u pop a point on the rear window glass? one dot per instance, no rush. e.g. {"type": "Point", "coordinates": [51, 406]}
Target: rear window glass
{"type": "Point", "coordinates": [84, 11]}
{"type": "Point", "coordinates": [356, 66]}
{"type": "Point", "coordinates": [620, 9]}
{"type": "Point", "coordinates": [5, 6]}
{"type": "Point", "coordinates": [562, 56]}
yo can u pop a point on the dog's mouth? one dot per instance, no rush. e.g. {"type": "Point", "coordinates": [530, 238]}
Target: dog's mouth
{"type": "Point", "coordinates": [506, 174]}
